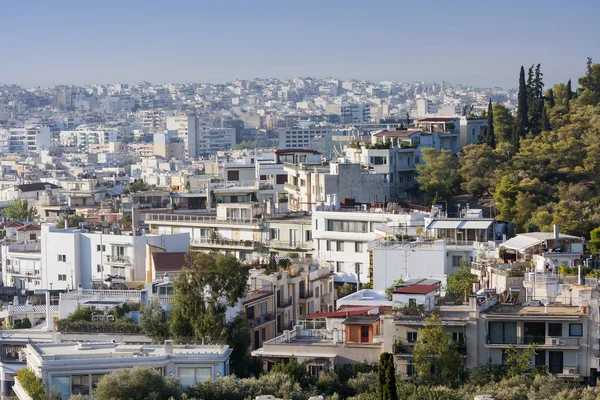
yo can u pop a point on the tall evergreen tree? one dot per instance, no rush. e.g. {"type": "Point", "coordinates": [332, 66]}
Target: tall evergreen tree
{"type": "Point", "coordinates": [522, 121]}
{"type": "Point", "coordinates": [550, 98]}
{"type": "Point", "coordinates": [545, 120]}
{"type": "Point", "coordinates": [536, 101]}
{"type": "Point", "coordinates": [569, 94]}
{"type": "Point", "coordinates": [387, 377]}
{"type": "Point", "coordinates": [490, 135]}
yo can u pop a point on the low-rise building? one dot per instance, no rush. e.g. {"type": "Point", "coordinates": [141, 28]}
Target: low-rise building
{"type": "Point", "coordinates": [71, 369]}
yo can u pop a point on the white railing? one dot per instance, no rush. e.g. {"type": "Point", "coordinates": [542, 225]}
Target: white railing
{"type": "Point", "coordinates": [547, 278]}
{"type": "Point", "coordinates": [93, 294]}
{"type": "Point", "coordinates": [200, 219]}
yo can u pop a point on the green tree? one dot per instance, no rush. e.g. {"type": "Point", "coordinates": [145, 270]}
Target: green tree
{"type": "Point", "coordinates": [137, 186]}
{"type": "Point", "coordinates": [127, 169]}
{"type": "Point", "coordinates": [33, 385]}
{"type": "Point", "coordinates": [590, 85]}
{"type": "Point", "coordinates": [240, 341]}
{"type": "Point", "coordinates": [436, 355]}
{"type": "Point", "coordinates": [439, 174]}
{"type": "Point", "coordinates": [490, 135]}
{"type": "Point", "coordinates": [522, 121]}
{"type": "Point", "coordinates": [460, 283]}
{"type": "Point", "coordinates": [503, 123]}
{"type": "Point", "coordinates": [154, 322]}
{"type": "Point", "coordinates": [518, 363]}
{"type": "Point", "coordinates": [387, 377]}
{"type": "Point", "coordinates": [478, 163]}
{"type": "Point", "coordinates": [594, 242]}
{"type": "Point", "coordinates": [204, 289]}
{"type": "Point", "coordinates": [389, 291]}
{"type": "Point", "coordinates": [296, 371]}
{"type": "Point", "coordinates": [26, 323]}
{"type": "Point", "coordinates": [569, 94]}
{"type": "Point", "coordinates": [505, 197]}
{"type": "Point", "coordinates": [19, 210]}
{"type": "Point", "coordinates": [188, 186]}
{"type": "Point", "coordinates": [136, 384]}
{"type": "Point", "coordinates": [73, 221]}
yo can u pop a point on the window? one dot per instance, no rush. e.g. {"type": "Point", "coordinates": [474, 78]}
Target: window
{"type": "Point", "coordinates": [308, 236]}
{"type": "Point", "coordinates": [263, 334]}
{"type": "Point", "coordinates": [62, 258]}
{"type": "Point", "coordinates": [329, 245]}
{"type": "Point", "coordinates": [274, 232]}
{"type": "Point", "coordinates": [98, 268]}
{"type": "Point", "coordinates": [576, 330]}
{"type": "Point", "coordinates": [62, 277]}
{"type": "Point", "coordinates": [100, 247]}
{"type": "Point", "coordinates": [359, 247]}
{"type": "Point", "coordinates": [502, 332]}
{"type": "Point", "coordinates": [340, 246]}
{"type": "Point", "coordinates": [61, 384]}
{"type": "Point", "coordinates": [233, 175]}
{"type": "Point", "coordinates": [412, 302]}
{"type": "Point", "coordinates": [347, 226]}
{"type": "Point", "coordinates": [458, 337]}
{"type": "Point", "coordinates": [193, 376]}
{"type": "Point", "coordinates": [80, 384]}
{"type": "Point", "coordinates": [555, 329]}
{"type": "Point", "coordinates": [456, 261]}
{"type": "Point", "coordinates": [281, 179]}
{"type": "Point", "coordinates": [411, 337]}
{"type": "Point", "coordinates": [32, 236]}
{"type": "Point", "coordinates": [338, 266]}
{"type": "Point", "coordinates": [410, 369]}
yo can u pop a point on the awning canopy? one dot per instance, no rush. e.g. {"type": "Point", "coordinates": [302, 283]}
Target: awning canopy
{"type": "Point", "coordinates": [478, 224]}
{"type": "Point", "coordinates": [444, 224]}
{"type": "Point", "coordinates": [520, 243]}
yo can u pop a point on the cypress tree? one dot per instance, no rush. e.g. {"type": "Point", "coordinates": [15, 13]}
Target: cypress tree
{"type": "Point", "coordinates": [522, 121]}
{"type": "Point", "coordinates": [490, 135]}
{"type": "Point", "coordinates": [550, 98]}
{"type": "Point", "coordinates": [545, 120]}
{"type": "Point", "coordinates": [387, 377]}
{"type": "Point", "coordinates": [536, 102]}
{"type": "Point", "coordinates": [569, 94]}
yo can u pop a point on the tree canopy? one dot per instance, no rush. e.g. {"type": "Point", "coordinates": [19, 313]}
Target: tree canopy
{"type": "Point", "coordinates": [439, 174]}
{"type": "Point", "coordinates": [19, 210]}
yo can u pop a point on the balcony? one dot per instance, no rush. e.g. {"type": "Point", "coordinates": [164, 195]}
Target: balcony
{"type": "Point", "coordinates": [117, 260]}
{"type": "Point", "coordinates": [288, 245]}
{"type": "Point", "coordinates": [291, 186]}
{"type": "Point", "coordinates": [187, 219]}
{"type": "Point", "coordinates": [263, 319]}
{"type": "Point", "coordinates": [541, 342]}
{"type": "Point", "coordinates": [258, 294]}
{"type": "Point", "coordinates": [307, 294]}
{"type": "Point", "coordinates": [224, 243]}
{"type": "Point", "coordinates": [283, 304]}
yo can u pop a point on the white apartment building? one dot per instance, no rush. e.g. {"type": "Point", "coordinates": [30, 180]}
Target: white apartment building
{"type": "Point", "coordinates": [341, 236]}
{"type": "Point", "coordinates": [73, 369]}
{"type": "Point", "coordinates": [297, 138]}
{"type": "Point", "coordinates": [219, 139]}
{"type": "Point", "coordinates": [73, 257]}
{"type": "Point", "coordinates": [26, 141]}
{"type": "Point", "coordinates": [82, 137]}
{"type": "Point", "coordinates": [351, 113]}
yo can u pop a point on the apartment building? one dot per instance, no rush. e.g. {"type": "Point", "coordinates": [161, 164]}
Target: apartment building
{"type": "Point", "coordinates": [74, 257]}
{"type": "Point", "coordinates": [218, 139]}
{"type": "Point", "coordinates": [83, 136]}
{"type": "Point", "coordinates": [192, 129]}
{"type": "Point", "coordinates": [76, 369]}
{"type": "Point", "coordinates": [26, 141]}
{"type": "Point", "coordinates": [289, 233]}
{"type": "Point", "coordinates": [341, 236]}
{"type": "Point", "coordinates": [22, 263]}
{"type": "Point", "coordinates": [297, 138]}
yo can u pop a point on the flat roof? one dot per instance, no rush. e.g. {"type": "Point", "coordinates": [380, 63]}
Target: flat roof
{"type": "Point", "coordinates": [520, 310]}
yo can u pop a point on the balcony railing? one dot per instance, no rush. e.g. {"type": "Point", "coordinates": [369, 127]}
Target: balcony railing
{"type": "Point", "coordinates": [291, 186]}
{"type": "Point", "coordinates": [263, 319]}
{"type": "Point", "coordinates": [223, 243]}
{"type": "Point", "coordinates": [532, 277]}
{"type": "Point", "coordinates": [307, 294]}
{"type": "Point", "coordinates": [201, 219]}
{"type": "Point", "coordinates": [284, 303]}
{"type": "Point", "coordinates": [258, 293]}
{"type": "Point", "coordinates": [118, 259]}
{"type": "Point", "coordinates": [538, 340]}
{"type": "Point", "coordinates": [286, 244]}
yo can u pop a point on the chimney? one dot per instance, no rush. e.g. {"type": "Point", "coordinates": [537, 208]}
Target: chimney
{"type": "Point", "coordinates": [556, 233]}
{"type": "Point", "coordinates": [66, 221]}
{"type": "Point", "coordinates": [168, 347]}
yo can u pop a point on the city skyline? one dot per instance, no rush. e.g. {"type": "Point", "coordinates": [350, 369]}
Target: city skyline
{"type": "Point", "coordinates": [483, 45]}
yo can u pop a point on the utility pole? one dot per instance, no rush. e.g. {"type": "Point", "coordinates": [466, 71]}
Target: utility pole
{"type": "Point", "coordinates": [357, 270]}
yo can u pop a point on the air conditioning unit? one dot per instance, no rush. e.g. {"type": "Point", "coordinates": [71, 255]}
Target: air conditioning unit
{"type": "Point", "coordinates": [570, 371]}
{"type": "Point", "coordinates": [555, 341]}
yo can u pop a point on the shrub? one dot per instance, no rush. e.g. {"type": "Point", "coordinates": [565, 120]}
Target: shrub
{"type": "Point", "coordinates": [136, 384]}
{"type": "Point", "coordinates": [33, 385]}
{"type": "Point", "coordinates": [26, 324]}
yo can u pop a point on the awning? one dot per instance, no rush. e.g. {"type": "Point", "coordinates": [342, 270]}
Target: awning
{"type": "Point", "coordinates": [444, 224]}
{"type": "Point", "coordinates": [520, 242]}
{"type": "Point", "coordinates": [479, 224]}
{"type": "Point", "coordinates": [285, 354]}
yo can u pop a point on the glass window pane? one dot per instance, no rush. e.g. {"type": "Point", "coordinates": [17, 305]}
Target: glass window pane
{"type": "Point", "coordinates": [186, 376]}
{"type": "Point", "coordinates": [575, 330]}
{"type": "Point", "coordinates": [61, 384]}
{"type": "Point", "coordinates": [203, 374]}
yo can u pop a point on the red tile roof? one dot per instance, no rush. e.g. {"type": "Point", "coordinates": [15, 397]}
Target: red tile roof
{"type": "Point", "coordinates": [14, 224]}
{"type": "Point", "coordinates": [28, 228]}
{"type": "Point", "coordinates": [417, 289]}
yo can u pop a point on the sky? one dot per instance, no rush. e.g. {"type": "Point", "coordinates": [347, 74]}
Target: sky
{"type": "Point", "coordinates": [481, 43]}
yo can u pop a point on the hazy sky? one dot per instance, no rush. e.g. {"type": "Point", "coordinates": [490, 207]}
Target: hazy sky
{"type": "Point", "coordinates": [48, 42]}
